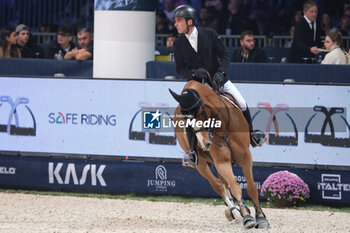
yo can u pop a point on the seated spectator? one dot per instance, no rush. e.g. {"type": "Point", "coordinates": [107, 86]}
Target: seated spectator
{"type": "Point", "coordinates": [344, 25]}
{"type": "Point", "coordinates": [63, 43]}
{"type": "Point", "coordinates": [8, 47]}
{"type": "Point", "coordinates": [337, 55]}
{"type": "Point", "coordinates": [206, 18]}
{"type": "Point", "coordinates": [327, 24]}
{"type": "Point", "coordinates": [248, 52]}
{"type": "Point", "coordinates": [288, 44]}
{"type": "Point", "coordinates": [26, 43]}
{"type": "Point", "coordinates": [162, 24]}
{"type": "Point", "coordinates": [85, 48]}
{"type": "Point", "coordinates": [170, 42]}
{"type": "Point", "coordinates": [235, 21]}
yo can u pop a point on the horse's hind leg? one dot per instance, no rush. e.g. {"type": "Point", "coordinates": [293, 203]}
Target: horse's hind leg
{"type": "Point", "coordinates": [247, 168]}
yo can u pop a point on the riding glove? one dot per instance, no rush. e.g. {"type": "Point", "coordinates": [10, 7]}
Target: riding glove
{"type": "Point", "coordinates": [219, 78]}
{"type": "Point", "coordinates": [200, 74]}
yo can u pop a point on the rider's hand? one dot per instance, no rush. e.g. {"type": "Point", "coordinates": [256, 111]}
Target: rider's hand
{"type": "Point", "coordinates": [200, 74]}
{"type": "Point", "coordinates": [219, 78]}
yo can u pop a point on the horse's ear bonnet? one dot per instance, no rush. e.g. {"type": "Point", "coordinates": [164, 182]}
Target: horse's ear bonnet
{"type": "Point", "coordinates": [189, 101]}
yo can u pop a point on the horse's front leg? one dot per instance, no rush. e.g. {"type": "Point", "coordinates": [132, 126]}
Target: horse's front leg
{"type": "Point", "coordinates": [222, 162]}
{"type": "Point", "coordinates": [219, 187]}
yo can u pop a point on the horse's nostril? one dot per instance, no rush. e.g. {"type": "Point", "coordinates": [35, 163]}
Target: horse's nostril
{"type": "Point", "coordinates": [207, 145]}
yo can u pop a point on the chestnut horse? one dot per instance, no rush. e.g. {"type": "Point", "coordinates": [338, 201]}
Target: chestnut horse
{"type": "Point", "coordinates": [222, 146]}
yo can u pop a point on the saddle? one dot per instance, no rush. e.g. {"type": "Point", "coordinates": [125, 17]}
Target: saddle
{"type": "Point", "coordinates": [231, 99]}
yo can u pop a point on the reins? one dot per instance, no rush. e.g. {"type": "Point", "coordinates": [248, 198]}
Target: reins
{"type": "Point", "coordinates": [211, 131]}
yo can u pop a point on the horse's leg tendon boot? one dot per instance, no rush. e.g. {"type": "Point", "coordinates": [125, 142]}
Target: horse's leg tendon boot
{"type": "Point", "coordinates": [191, 158]}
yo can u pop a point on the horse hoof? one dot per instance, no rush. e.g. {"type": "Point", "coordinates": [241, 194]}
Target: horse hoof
{"type": "Point", "coordinates": [233, 214]}
{"type": "Point", "coordinates": [228, 215]}
{"type": "Point", "coordinates": [248, 221]}
{"type": "Point", "coordinates": [262, 223]}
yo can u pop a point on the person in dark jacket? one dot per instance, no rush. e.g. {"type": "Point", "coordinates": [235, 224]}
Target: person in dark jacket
{"type": "Point", "coordinates": [63, 43]}
{"type": "Point", "coordinates": [307, 36]}
{"type": "Point", "coordinates": [199, 51]}
{"type": "Point", "coordinates": [248, 51]}
{"type": "Point", "coordinates": [26, 43]}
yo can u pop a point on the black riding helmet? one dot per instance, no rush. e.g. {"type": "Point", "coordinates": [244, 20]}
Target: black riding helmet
{"type": "Point", "coordinates": [187, 12]}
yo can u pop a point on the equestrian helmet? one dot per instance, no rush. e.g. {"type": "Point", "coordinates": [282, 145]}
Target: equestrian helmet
{"type": "Point", "coordinates": [185, 11]}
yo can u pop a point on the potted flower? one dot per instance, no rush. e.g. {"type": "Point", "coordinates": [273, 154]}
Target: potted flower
{"type": "Point", "coordinates": [284, 188]}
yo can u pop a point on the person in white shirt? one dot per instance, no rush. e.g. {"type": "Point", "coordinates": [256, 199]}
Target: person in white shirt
{"type": "Point", "coordinates": [337, 55]}
{"type": "Point", "coordinates": [200, 52]}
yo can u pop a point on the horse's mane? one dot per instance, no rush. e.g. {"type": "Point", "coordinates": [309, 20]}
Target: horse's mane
{"type": "Point", "coordinates": [203, 90]}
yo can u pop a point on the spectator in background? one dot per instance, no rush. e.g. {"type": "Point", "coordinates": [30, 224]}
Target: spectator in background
{"type": "Point", "coordinates": [169, 7]}
{"type": "Point", "coordinates": [219, 14]}
{"type": "Point", "coordinates": [344, 25]}
{"type": "Point", "coordinates": [288, 44]}
{"type": "Point", "coordinates": [337, 55]}
{"type": "Point", "coordinates": [63, 43]}
{"type": "Point", "coordinates": [235, 21]}
{"type": "Point", "coordinates": [326, 24]}
{"type": "Point", "coordinates": [26, 43]}
{"type": "Point", "coordinates": [8, 47]}
{"type": "Point", "coordinates": [262, 12]}
{"type": "Point", "coordinates": [206, 18]}
{"type": "Point", "coordinates": [307, 35]}
{"type": "Point", "coordinates": [170, 42]}
{"type": "Point", "coordinates": [162, 23]}
{"type": "Point", "coordinates": [248, 51]}
{"type": "Point", "coordinates": [298, 15]}
{"type": "Point", "coordinates": [346, 20]}
{"type": "Point", "coordinates": [85, 49]}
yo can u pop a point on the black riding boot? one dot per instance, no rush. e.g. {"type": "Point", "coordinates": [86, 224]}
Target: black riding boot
{"type": "Point", "coordinates": [191, 157]}
{"type": "Point", "coordinates": [257, 137]}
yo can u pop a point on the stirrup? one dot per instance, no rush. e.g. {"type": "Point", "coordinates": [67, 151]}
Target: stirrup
{"type": "Point", "coordinates": [190, 159]}
{"type": "Point", "coordinates": [258, 138]}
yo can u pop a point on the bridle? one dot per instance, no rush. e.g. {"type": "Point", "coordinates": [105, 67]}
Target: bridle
{"type": "Point", "coordinates": [211, 130]}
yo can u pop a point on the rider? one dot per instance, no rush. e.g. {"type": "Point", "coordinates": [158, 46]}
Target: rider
{"type": "Point", "coordinates": [198, 51]}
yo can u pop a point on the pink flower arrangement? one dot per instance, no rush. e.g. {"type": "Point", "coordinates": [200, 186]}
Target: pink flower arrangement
{"type": "Point", "coordinates": [285, 186]}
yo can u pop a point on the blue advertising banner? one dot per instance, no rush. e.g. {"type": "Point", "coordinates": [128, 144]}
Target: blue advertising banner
{"type": "Point", "coordinates": [327, 187]}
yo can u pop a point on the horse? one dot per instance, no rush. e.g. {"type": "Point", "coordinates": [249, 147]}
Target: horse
{"type": "Point", "coordinates": [222, 146]}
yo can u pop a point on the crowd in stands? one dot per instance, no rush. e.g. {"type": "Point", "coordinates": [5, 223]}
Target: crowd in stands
{"type": "Point", "coordinates": [262, 17]}
{"type": "Point", "coordinates": [18, 43]}
{"type": "Point", "coordinates": [246, 18]}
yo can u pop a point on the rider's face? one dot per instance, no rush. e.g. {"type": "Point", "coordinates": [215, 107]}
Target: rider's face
{"type": "Point", "coordinates": [180, 24]}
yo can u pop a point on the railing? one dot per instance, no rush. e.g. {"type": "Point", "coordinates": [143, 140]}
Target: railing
{"type": "Point", "coordinates": [44, 37]}
{"type": "Point", "coordinates": [282, 41]}
{"type": "Point", "coordinates": [230, 41]}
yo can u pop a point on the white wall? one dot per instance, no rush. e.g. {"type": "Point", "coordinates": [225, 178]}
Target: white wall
{"type": "Point", "coordinates": [123, 42]}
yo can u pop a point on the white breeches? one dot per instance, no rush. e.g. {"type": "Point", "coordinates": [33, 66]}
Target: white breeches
{"type": "Point", "coordinates": [230, 88]}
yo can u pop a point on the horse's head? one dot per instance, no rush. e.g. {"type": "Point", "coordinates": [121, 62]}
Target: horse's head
{"type": "Point", "coordinates": [197, 116]}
